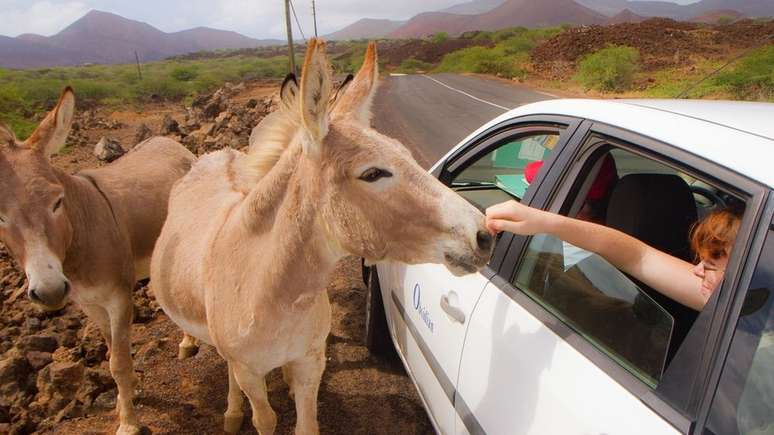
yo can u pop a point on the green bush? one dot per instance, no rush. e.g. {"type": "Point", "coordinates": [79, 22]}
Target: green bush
{"type": "Point", "coordinates": [609, 69]}
{"type": "Point", "coordinates": [184, 74]}
{"type": "Point", "coordinates": [753, 77]}
{"type": "Point", "coordinates": [479, 60]}
{"type": "Point", "coordinates": [440, 37]}
{"type": "Point", "coordinates": [411, 65]}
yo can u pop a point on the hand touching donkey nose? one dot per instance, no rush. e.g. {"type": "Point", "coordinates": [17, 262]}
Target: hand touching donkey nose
{"type": "Point", "coordinates": [517, 218]}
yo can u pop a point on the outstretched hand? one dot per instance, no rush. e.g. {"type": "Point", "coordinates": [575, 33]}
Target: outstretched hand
{"type": "Point", "coordinates": [516, 218]}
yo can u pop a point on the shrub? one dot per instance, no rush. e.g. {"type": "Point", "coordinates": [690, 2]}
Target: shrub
{"type": "Point", "coordinates": [609, 69]}
{"type": "Point", "coordinates": [440, 37]}
{"type": "Point", "coordinates": [412, 65]}
{"type": "Point", "coordinates": [184, 74]}
{"type": "Point", "coordinates": [479, 60]}
{"type": "Point", "coordinates": [753, 77]}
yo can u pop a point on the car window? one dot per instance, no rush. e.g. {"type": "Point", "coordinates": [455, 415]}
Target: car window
{"type": "Point", "coordinates": [635, 326]}
{"type": "Point", "coordinates": [499, 174]}
{"type": "Point", "coordinates": [744, 402]}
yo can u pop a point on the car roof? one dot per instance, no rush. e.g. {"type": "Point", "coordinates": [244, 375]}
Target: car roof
{"type": "Point", "coordinates": [737, 135]}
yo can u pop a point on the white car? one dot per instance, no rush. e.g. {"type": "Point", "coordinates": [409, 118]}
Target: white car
{"type": "Point", "coordinates": [548, 339]}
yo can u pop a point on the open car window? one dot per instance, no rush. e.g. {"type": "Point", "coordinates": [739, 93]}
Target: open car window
{"type": "Point", "coordinates": [499, 175]}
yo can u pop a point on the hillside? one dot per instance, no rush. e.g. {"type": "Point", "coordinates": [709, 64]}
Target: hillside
{"type": "Point", "coordinates": [749, 8]}
{"type": "Point", "coordinates": [102, 37]}
{"type": "Point", "coordinates": [365, 28]}
{"type": "Point", "coordinates": [526, 13]}
{"type": "Point", "coordinates": [474, 7]}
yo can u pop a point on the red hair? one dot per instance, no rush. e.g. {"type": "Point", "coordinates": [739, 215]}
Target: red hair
{"type": "Point", "coordinates": [714, 235]}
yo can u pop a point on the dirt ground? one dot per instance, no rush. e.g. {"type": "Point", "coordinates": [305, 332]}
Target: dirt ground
{"type": "Point", "coordinates": [359, 394]}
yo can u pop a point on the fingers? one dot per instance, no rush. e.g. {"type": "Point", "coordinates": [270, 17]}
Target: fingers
{"type": "Point", "coordinates": [504, 210]}
{"type": "Point", "coordinates": [500, 225]}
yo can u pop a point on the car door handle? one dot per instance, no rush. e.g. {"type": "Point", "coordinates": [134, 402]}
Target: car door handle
{"type": "Point", "coordinates": [454, 312]}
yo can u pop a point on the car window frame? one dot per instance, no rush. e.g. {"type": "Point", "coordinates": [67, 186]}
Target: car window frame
{"type": "Point", "coordinates": [765, 225]}
{"type": "Point", "coordinates": [495, 136]}
{"type": "Point", "coordinates": [556, 192]}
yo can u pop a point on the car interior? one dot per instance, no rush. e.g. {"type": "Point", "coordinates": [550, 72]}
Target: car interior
{"type": "Point", "coordinates": [636, 326]}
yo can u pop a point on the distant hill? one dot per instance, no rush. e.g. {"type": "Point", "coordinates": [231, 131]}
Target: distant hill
{"type": "Point", "coordinates": [365, 28]}
{"type": "Point", "coordinates": [511, 13]}
{"type": "Point", "coordinates": [714, 17]}
{"type": "Point", "coordinates": [626, 16]}
{"type": "Point", "coordinates": [474, 7]}
{"type": "Point", "coordinates": [749, 8]}
{"type": "Point", "coordinates": [102, 37]}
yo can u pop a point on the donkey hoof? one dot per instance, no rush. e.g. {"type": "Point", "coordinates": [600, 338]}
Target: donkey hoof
{"type": "Point", "coordinates": [129, 429]}
{"type": "Point", "coordinates": [185, 352]}
{"type": "Point", "coordinates": [232, 422]}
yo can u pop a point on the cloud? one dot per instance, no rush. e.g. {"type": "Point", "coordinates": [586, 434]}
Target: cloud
{"type": "Point", "coordinates": [41, 17]}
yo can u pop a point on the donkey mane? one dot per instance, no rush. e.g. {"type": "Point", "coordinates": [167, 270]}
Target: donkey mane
{"type": "Point", "coordinates": [278, 133]}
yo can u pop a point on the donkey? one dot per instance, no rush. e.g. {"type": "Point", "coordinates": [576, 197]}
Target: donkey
{"type": "Point", "coordinates": [89, 235]}
{"type": "Point", "coordinates": [251, 240]}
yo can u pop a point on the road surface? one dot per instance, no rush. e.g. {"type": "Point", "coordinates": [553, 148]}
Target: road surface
{"type": "Point", "coordinates": [432, 113]}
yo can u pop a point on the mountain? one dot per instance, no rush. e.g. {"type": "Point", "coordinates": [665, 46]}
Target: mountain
{"type": "Point", "coordinates": [626, 16]}
{"type": "Point", "coordinates": [474, 7]}
{"type": "Point", "coordinates": [714, 17]}
{"type": "Point", "coordinates": [511, 13]}
{"type": "Point", "coordinates": [102, 37]}
{"type": "Point", "coordinates": [365, 28]}
{"type": "Point", "coordinates": [750, 8]}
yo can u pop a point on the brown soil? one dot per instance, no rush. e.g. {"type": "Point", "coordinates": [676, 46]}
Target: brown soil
{"type": "Point", "coordinates": [662, 43]}
{"type": "Point", "coordinates": [359, 394]}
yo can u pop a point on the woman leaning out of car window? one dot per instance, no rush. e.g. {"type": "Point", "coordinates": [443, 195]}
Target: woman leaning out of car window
{"type": "Point", "coordinates": [688, 284]}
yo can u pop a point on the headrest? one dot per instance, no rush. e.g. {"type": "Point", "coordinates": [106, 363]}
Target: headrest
{"type": "Point", "coordinates": [657, 209]}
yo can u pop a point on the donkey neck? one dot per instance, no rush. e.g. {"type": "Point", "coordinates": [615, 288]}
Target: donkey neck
{"type": "Point", "coordinates": [96, 246]}
{"type": "Point", "coordinates": [280, 219]}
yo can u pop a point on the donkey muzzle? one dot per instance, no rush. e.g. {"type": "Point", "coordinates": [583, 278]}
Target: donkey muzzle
{"type": "Point", "coordinates": [49, 297]}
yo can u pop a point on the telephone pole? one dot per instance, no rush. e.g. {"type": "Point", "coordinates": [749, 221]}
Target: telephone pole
{"type": "Point", "coordinates": [291, 54]}
{"type": "Point", "coordinates": [314, 17]}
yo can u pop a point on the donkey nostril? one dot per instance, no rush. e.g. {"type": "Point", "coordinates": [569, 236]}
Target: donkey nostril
{"type": "Point", "coordinates": [34, 296]}
{"type": "Point", "coordinates": [66, 288]}
{"type": "Point", "coordinates": [484, 240]}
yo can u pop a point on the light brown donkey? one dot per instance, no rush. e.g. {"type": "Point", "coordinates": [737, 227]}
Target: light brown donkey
{"type": "Point", "coordinates": [89, 235]}
{"type": "Point", "coordinates": [251, 240]}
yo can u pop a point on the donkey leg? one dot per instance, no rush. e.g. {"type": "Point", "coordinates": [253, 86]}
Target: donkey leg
{"type": "Point", "coordinates": [100, 317]}
{"type": "Point", "coordinates": [254, 386]}
{"type": "Point", "coordinates": [306, 374]}
{"type": "Point", "coordinates": [121, 366]}
{"type": "Point", "coordinates": [232, 421]}
{"type": "Point", "coordinates": [288, 378]}
{"type": "Point", "coordinates": [187, 348]}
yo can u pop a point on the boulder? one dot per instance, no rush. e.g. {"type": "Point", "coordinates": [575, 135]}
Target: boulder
{"type": "Point", "coordinates": [169, 126]}
{"type": "Point", "coordinates": [108, 149]}
{"type": "Point", "coordinates": [143, 132]}
{"type": "Point", "coordinates": [40, 343]}
{"type": "Point", "coordinates": [38, 360]}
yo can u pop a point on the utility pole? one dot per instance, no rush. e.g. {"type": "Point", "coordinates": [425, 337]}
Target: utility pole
{"type": "Point", "coordinates": [314, 17]}
{"type": "Point", "coordinates": [137, 60]}
{"type": "Point", "coordinates": [291, 54]}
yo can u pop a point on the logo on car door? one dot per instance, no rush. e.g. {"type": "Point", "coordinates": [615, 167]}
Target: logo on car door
{"type": "Point", "coordinates": [424, 314]}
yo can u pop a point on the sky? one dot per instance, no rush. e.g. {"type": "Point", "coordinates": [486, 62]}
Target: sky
{"type": "Point", "coordinates": [256, 18]}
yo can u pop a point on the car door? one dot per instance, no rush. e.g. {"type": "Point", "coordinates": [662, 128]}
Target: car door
{"type": "Point", "coordinates": [430, 306]}
{"type": "Point", "coordinates": [567, 344]}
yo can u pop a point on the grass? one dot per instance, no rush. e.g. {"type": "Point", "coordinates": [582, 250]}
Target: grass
{"type": "Point", "coordinates": [611, 69]}
{"type": "Point", "coordinates": [507, 58]}
{"type": "Point", "coordinates": [752, 78]}
{"type": "Point", "coordinates": [26, 93]}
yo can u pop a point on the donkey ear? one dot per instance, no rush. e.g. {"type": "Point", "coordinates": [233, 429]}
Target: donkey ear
{"type": "Point", "coordinates": [316, 90]}
{"type": "Point", "coordinates": [357, 100]}
{"type": "Point", "coordinates": [51, 134]}
{"type": "Point", "coordinates": [340, 90]}
{"type": "Point", "coordinates": [7, 137]}
{"type": "Point", "coordinates": [289, 92]}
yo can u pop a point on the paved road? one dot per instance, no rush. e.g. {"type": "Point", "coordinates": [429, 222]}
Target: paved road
{"type": "Point", "coordinates": [432, 113]}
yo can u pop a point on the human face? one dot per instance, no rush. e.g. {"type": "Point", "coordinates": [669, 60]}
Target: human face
{"type": "Point", "coordinates": [711, 272]}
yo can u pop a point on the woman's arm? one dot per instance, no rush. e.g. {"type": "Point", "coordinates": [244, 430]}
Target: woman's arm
{"type": "Point", "coordinates": [667, 274]}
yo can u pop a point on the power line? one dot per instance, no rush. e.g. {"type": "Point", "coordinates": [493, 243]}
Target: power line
{"type": "Point", "coordinates": [293, 8]}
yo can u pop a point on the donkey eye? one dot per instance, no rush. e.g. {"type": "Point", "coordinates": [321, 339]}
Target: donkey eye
{"type": "Point", "coordinates": [58, 204]}
{"type": "Point", "coordinates": [372, 174]}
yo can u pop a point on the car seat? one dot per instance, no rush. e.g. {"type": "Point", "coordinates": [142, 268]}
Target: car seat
{"type": "Point", "coordinates": [658, 209]}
